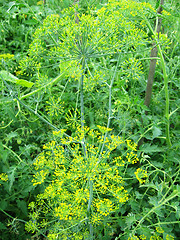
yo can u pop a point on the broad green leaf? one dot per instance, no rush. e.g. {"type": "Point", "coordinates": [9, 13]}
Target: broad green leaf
{"type": "Point", "coordinates": [130, 219]}
{"type": "Point", "coordinates": [154, 201]}
{"type": "Point", "coordinates": [31, 22]}
{"type": "Point", "coordinates": [11, 135]}
{"type": "Point", "coordinates": [158, 164]}
{"type": "Point", "coordinates": [24, 83]}
{"type": "Point", "coordinates": [159, 212]}
{"type": "Point", "coordinates": [150, 185]}
{"type": "Point", "coordinates": [11, 78]}
{"type": "Point", "coordinates": [10, 111]}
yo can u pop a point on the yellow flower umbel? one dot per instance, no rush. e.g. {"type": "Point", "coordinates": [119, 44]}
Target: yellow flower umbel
{"type": "Point", "coordinates": [3, 177]}
{"type": "Point", "coordinates": [6, 56]}
{"type": "Point", "coordinates": [106, 31]}
{"type": "Point", "coordinates": [67, 169]}
{"type": "Point", "coordinates": [141, 175]}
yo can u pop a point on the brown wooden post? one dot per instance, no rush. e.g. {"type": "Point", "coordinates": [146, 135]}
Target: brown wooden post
{"type": "Point", "coordinates": [153, 55]}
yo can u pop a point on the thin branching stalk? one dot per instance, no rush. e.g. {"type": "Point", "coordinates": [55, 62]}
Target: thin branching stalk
{"type": "Point", "coordinates": [166, 96]}
{"type": "Point", "coordinates": [83, 62]}
{"type": "Point", "coordinates": [20, 220]}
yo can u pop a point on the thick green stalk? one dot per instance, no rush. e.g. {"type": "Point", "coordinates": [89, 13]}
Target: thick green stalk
{"type": "Point", "coordinates": [89, 207]}
{"type": "Point", "coordinates": [84, 147]}
{"type": "Point", "coordinates": [165, 76]}
{"type": "Point", "coordinates": [166, 95]}
{"type": "Point", "coordinates": [82, 94]}
{"type": "Point", "coordinates": [152, 66]}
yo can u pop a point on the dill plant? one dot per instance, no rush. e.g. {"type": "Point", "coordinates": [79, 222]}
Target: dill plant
{"type": "Point", "coordinates": [85, 184]}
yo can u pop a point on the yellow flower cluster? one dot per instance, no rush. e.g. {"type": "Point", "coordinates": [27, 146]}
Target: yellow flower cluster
{"type": "Point", "coordinates": [163, 40]}
{"type": "Point", "coordinates": [67, 172]}
{"type": "Point", "coordinates": [40, 3]}
{"type": "Point", "coordinates": [40, 177]}
{"type": "Point", "coordinates": [3, 177]}
{"type": "Point", "coordinates": [54, 106]}
{"type": "Point", "coordinates": [59, 133]}
{"type": "Point", "coordinates": [104, 129]}
{"type": "Point", "coordinates": [132, 70]}
{"type": "Point", "coordinates": [154, 237]}
{"type": "Point", "coordinates": [92, 80]}
{"type": "Point", "coordinates": [165, 13]}
{"type": "Point", "coordinates": [6, 56]}
{"type": "Point", "coordinates": [131, 145]}
{"type": "Point", "coordinates": [159, 230]}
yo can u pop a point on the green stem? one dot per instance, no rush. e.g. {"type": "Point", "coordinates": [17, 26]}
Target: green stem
{"type": "Point", "coordinates": [20, 160]}
{"type": "Point", "coordinates": [82, 103]}
{"type": "Point", "coordinates": [89, 207]}
{"type": "Point", "coordinates": [90, 194]}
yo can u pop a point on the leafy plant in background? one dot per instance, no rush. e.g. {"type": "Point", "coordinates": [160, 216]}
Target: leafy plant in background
{"type": "Point", "coordinates": [17, 26]}
{"type": "Point", "coordinates": [17, 144]}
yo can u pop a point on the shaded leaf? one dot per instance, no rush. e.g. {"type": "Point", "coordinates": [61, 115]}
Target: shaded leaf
{"type": "Point", "coordinates": [153, 201]}
{"type": "Point", "coordinates": [130, 219]}
{"type": "Point", "coordinates": [147, 148]}
{"type": "Point", "coordinates": [10, 136]}
{"type": "Point", "coordinates": [3, 204]}
{"type": "Point", "coordinates": [11, 177]}
{"type": "Point", "coordinates": [2, 226]}
{"type": "Point", "coordinates": [156, 132]}
{"type": "Point", "coordinates": [22, 206]}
